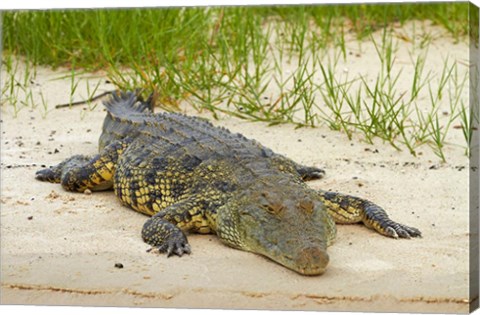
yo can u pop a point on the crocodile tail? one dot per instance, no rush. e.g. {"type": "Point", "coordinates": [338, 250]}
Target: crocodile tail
{"type": "Point", "coordinates": [126, 111]}
{"type": "Point", "coordinates": [125, 103]}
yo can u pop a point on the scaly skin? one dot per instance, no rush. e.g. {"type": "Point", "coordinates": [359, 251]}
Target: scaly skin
{"type": "Point", "coordinates": [191, 176]}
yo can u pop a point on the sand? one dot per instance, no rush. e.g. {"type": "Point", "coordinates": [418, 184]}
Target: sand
{"type": "Point", "coordinates": [60, 248]}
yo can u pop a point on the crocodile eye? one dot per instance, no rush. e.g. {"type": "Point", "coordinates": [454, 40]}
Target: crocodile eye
{"type": "Point", "coordinates": [273, 208]}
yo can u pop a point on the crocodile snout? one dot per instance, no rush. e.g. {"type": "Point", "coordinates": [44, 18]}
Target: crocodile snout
{"type": "Point", "coordinates": [312, 261]}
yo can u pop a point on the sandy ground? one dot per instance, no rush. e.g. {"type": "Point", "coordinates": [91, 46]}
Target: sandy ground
{"type": "Point", "coordinates": [60, 248]}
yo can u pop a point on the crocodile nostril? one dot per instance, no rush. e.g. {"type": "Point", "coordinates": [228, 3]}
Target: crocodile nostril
{"type": "Point", "coordinates": [312, 260]}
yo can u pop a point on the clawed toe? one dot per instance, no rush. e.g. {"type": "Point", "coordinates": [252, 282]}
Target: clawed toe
{"type": "Point", "coordinates": [412, 232]}
{"type": "Point", "coordinates": [311, 173]}
{"type": "Point", "coordinates": [45, 174]}
{"type": "Point", "coordinates": [175, 244]}
{"type": "Point", "coordinates": [174, 248]}
{"type": "Point", "coordinates": [402, 231]}
{"type": "Point", "coordinates": [179, 251]}
{"type": "Point", "coordinates": [165, 236]}
{"type": "Point", "coordinates": [318, 174]}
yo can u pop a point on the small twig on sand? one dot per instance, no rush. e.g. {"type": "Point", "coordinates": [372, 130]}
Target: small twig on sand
{"type": "Point", "coordinates": [86, 101]}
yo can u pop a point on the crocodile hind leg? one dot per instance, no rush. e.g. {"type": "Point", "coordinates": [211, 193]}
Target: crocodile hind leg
{"type": "Point", "coordinates": [81, 172]}
{"type": "Point", "coordinates": [164, 229]}
{"type": "Point", "coordinates": [348, 209]}
{"type": "Point", "coordinates": [54, 173]}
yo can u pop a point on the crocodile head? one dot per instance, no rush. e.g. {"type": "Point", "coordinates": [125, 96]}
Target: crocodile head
{"type": "Point", "coordinates": [281, 220]}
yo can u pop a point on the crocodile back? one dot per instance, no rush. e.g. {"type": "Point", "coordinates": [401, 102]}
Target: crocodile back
{"type": "Point", "coordinates": [179, 137]}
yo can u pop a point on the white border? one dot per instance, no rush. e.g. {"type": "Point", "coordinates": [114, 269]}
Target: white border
{"type": "Point", "coordinates": [52, 4]}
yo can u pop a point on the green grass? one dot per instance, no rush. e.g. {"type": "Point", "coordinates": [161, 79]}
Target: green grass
{"type": "Point", "coordinates": [231, 59]}
{"type": "Point", "coordinates": [97, 38]}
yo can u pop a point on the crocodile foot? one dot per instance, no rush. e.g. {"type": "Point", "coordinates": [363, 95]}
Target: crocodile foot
{"type": "Point", "coordinates": [376, 218]}
{"type": "Point", "coordinates": [54, 174]}
{"type": "Point", "coordinates": [165, 236]}
{"type": "Point", "coordinates": [310, 173]}
{"type": "Point", "coordinates": [48, 175]}
{"type": "Point", "coordinates": [397, 230]}
{"type": "Point", "coordinates": [176, 244]}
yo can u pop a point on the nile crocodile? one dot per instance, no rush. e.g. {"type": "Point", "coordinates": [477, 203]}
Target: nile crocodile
{"type": "Point", "coordinates": [189, 175]}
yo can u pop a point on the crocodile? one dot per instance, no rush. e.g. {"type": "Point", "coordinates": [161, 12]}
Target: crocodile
{"type": "Point", "coordinates": [190, 176]}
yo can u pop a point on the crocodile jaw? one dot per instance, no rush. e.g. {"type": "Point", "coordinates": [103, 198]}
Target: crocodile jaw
{"type": "Point", "coordinates": [308, 259]}
{"type": "Point", "coordinates": [296, 243]}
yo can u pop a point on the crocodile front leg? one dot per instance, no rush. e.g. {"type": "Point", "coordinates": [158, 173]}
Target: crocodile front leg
{"type": "Point", "coordinates": [348, 209]}
{"type": "Point", "coordinates": [164, 229]}
{"type": "Point", "coordinates": [166, 236]}
{"type": "Point", "coordinates": [54, 173]}
{"type": "Point", "coordinates": [309, 172]}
